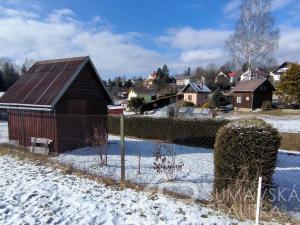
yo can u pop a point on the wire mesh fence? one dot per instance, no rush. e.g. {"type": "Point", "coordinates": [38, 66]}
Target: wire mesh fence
{"type": "Point", "coordinates": [171, 155]}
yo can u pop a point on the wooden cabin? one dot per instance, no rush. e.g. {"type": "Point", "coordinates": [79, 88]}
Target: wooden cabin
{"type": "Point", "coordinates": [62, 100]}
{"type": "Point", "coordinates": [250, 95]}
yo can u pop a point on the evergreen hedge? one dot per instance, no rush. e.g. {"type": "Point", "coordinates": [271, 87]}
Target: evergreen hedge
{"type": "Point", "coordinates": [248, 145]}
{"type": "Point", "coordinates": [198, 133]}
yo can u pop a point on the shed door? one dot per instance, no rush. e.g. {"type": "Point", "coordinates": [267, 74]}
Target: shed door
{"type": "Point", "coordinates": [76, 106]}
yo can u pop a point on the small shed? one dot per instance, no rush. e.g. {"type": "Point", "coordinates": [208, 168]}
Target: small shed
{"type": "Point", "coordinates": [250, 95]}
{"type": "Point", "coordinates": [61, 100]}
{"type": "Point", "coordinates": [196, 93]}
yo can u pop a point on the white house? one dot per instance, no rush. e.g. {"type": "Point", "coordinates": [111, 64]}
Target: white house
{"type": "Point", "coordinates": [182, 80]}
{"type": "Point", "coordinates": [279, 71]}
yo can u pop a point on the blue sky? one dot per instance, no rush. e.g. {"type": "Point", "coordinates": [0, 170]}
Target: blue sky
{"type": "Point", "coordinates": [133, 37]}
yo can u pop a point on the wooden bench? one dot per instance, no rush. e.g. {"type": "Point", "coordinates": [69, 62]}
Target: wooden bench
{"type": "Point", "coordinates": [40, 145]}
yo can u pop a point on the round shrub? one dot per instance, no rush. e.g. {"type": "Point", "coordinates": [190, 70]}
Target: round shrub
{"type": "Point", "coordinates": [245, 147]}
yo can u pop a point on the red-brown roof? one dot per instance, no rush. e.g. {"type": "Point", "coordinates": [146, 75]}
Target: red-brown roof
{"type": "Point", "coordinates": [44, 83]}
{"type": "Point", "coordinates": [249, 85]}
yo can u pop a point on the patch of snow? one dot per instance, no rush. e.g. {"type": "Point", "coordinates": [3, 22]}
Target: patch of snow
{"type": "Point", "coordinates": [197, 175]}
{"type": "Point", "coordinates": [3, 132]}
{"type": "Point", "coordinates": [36, 194]}
{"type": "Point", "coordinates": [289, 124]}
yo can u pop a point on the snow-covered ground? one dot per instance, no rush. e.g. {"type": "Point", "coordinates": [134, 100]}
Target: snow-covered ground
{"type": "Point", "coordinates": [36, 194]}
{"type": "Point", "coordinates": [289, 124]}
{"type": "Point", "coordinates": [196, 177]}
{"type": "Point", "coordinates": [3, 132]}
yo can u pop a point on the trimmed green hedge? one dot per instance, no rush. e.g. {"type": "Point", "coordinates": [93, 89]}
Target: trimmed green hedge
{"type": "Point", "coordinates": [245, 149]}
{"type": "Point", "coordinates": [198, 133]}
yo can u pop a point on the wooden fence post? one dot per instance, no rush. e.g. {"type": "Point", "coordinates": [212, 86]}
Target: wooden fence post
{"type": "Point", "coordinates": [122, 134]}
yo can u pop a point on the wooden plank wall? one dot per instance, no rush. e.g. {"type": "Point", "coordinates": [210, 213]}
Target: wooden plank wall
{"type": "Point", "coordinates": [26, 124]}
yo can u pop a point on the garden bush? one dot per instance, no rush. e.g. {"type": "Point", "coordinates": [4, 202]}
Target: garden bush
{"type": "Point", "coordinates": [188, 104]}
{"type": "Point", "coordinates": [198, 133]}
{"type": "Point", "coordinates": [205, 105]}
{"type": "Point", "coordinates": [245, 146]}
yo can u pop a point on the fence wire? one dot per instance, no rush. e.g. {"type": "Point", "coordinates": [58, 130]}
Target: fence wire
{"type": "Point", "coordinates": [171, 155]}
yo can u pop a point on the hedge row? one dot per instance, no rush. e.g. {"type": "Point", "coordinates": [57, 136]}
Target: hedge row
{"type": "Point", "coordinates": [198, 133]}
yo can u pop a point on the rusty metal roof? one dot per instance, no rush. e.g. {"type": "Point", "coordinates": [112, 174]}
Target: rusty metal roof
{"type": "Point", "coordinates": [250, 85]}
{"type": "Point", "coordinates": [44, 83]}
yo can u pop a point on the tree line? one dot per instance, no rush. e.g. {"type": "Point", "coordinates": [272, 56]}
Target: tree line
{"type": "Point", "coordinates": [10, 72]}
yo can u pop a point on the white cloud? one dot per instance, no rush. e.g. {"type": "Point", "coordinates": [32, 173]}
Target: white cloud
{"type": "Point", "coordinates": [59, 35]}
{"type": "Point", "coordinates": [25, 34]}
{"type": "Point", "coordinates": [232, 9]}
{"type": "Point", "coordinates": [289, 44]}
{"type": "Point", "coordinates": [232, 6]}
{"type": "Point", "coordinates": [5, 12]}
{"type": "Point", "coordinates": [279, 4]}
{"type": "Point", "coordinates": [196, 47]}
{"type": "Point", "coordinates": [188, 38]}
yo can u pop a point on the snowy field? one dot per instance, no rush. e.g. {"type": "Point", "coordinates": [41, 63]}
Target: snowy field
{"type": "Point", "coordinates": [36, 194]}
{"type": "Point", "coordinates": [288, 124]}
{"type": "Point", "coordinates": [194, 180]}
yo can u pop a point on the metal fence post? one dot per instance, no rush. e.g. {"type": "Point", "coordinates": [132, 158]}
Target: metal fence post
{"type": "Point", "coordinates": [122, 134]}
{"type": "Point", "coordinates": [258, 199]}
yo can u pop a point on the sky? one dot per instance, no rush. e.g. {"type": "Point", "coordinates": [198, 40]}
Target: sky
{"type": "Point", "coordinates": [134, 37]}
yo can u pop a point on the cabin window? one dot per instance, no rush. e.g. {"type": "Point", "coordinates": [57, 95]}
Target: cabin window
{"type": "Point", "coordinates": [239, 99]}
{"type": "Point", "coordinates": [190, 97]}
{"type": "Point", "coordinates": [247, 98]}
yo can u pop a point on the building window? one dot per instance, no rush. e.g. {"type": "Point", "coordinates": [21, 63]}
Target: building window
{"type": "Point", "coordinates": [247, 98]}
{"type": "Point", "coordinates": [239, 99]}
{"type": "Point", "coordinates": [190, 97]}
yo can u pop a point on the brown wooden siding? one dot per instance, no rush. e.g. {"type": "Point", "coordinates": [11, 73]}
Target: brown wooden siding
{"type": "Point", "coordinates": [24, 125]}
{"type": "Point", "coordinates": [66, 131]}
{"type": "Point", "coordinates": [86, 87]}
{"type": "Point", "coordinates": [244, 103]}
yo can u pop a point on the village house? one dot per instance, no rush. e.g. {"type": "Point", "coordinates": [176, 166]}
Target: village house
{"type": "Point", "coordinates": [182, 80]}
{"type": "Point", "coordinates": [148, 94]}
{"type": "Point", "coordinates": [281, 70]}
{"type": "Point", "coordinates": [196, 93]}
{"type": "Point", "coordinates": [258, 73]}
{"type": "Point", "coordinates": [250, 95]}
{"type": "Point", "coordinates": [61, 100]}
{"type": "Point", "coordinates": [149, 81]}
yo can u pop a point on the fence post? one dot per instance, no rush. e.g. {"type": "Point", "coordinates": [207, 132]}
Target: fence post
{"type": "Point", "coordinates": [139, 167]}
{"type": "Point", "coordinates": [122, 134]}
{"type": "Point", "coordinates": [258, 199]}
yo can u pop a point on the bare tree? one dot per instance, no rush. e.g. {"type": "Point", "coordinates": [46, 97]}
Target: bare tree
{"type": "Point", "coordinates": [255, 38]}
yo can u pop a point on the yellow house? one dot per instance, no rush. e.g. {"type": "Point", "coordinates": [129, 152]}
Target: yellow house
{"type": "Point", "coordinates": [196, 93]}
